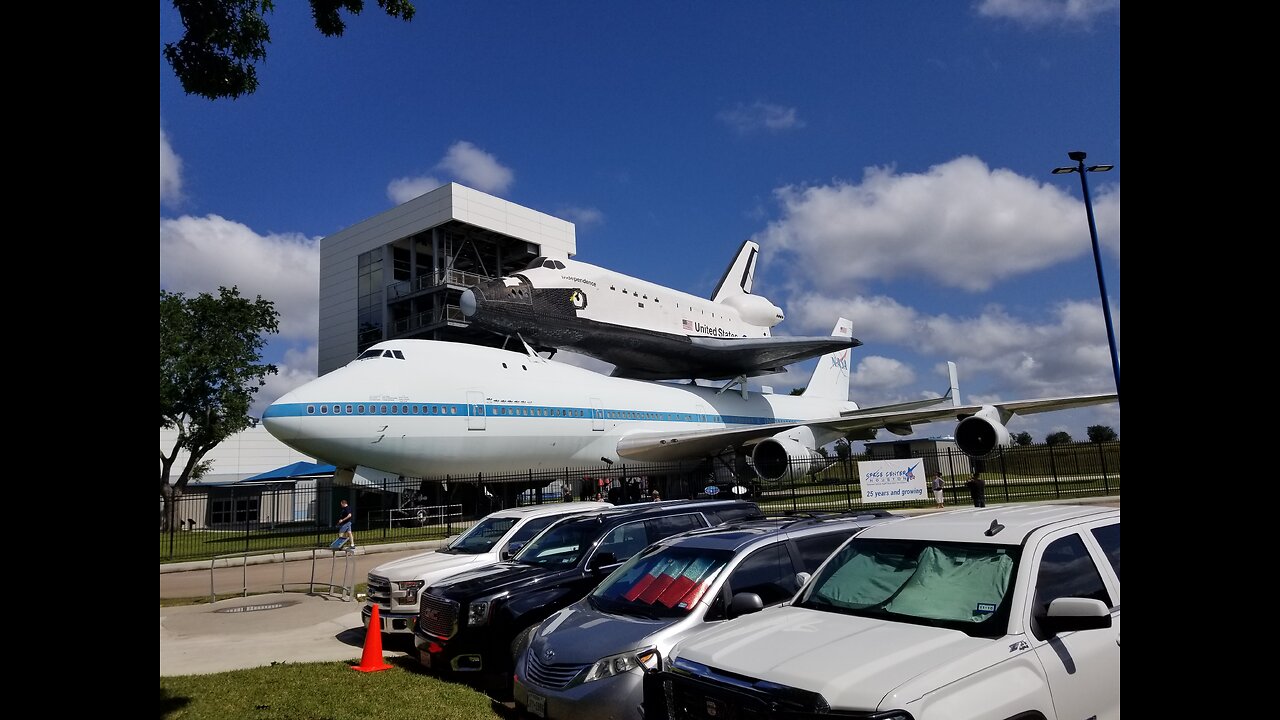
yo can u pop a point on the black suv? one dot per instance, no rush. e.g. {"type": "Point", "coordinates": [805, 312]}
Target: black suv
{"type": "Point", "coordinates": [474, 622]}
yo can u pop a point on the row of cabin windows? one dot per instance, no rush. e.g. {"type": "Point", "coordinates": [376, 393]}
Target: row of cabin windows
{"type": "Point", "coordinates": [539, 412]}
{"type": "Point", "coordinates": [383, 409]}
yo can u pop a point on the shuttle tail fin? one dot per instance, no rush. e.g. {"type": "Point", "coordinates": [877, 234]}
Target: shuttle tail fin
{"type": "Point", "coordinates": [738, 278]}
{"type": "Point", "coordinates": [830, 379]}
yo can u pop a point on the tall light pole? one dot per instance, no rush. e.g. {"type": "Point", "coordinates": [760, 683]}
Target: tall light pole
{"type": "Point", "coordinates": [1079, 156]}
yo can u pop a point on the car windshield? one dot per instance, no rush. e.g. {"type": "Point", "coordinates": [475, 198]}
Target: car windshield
{"type": "Point", "coordinates": [482, 537]}
{"type": "Point", "coordinates": [561, 545]}
{"type": "Point", "coordinates": [963, 586]}
{"type": "Point", "coordinates": [661, 582]}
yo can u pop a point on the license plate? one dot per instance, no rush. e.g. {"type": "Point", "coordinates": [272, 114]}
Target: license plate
{"type": "Point", "coordinates": [537, 705]}
{"type": "Point", "coordinates": [425, 658]}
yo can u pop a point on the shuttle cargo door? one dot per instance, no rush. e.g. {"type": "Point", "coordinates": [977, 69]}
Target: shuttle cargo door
{"type": "Point", "coordinates": [475, 410]}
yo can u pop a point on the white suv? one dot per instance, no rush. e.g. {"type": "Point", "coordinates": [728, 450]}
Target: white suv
{"type": "Point", "coordinates": [395, 586]}
{"type": "Point", "coordinates": [1010, 611]}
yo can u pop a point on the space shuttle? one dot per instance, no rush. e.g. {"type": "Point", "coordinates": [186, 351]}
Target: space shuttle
{"type": "Point", "coordinates": [647, 331]}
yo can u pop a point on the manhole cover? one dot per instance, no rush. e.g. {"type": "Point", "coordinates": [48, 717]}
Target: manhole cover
{"type": "Point", "coordinates": [256, 608]}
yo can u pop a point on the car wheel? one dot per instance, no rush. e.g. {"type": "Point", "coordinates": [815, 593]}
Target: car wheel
{"type": "Point", "coordinates": [521, 642]}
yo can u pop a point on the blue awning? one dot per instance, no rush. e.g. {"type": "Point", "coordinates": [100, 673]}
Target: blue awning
{"type": "Point", "coordinates": [296, 471]}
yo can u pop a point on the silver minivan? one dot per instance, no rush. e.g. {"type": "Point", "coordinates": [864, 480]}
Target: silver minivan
{"type": "Point", "coordinates": [588, 660]}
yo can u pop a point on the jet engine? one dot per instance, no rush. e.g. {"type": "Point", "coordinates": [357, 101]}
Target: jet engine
{"type": "Point", "coordinates": [791, 450]}
{"type": "Point", "coordinates": [981, 433]}
{"type": "Point", "coordinates": [755, 309]}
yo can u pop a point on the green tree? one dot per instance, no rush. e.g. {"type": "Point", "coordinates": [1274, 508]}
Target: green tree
{"type": "Point", "coordinates": [1023, 438]}
{"type": "Point", "coordinates": [842, 449]}
{"type": "Point", "coordinates": [225, 39]}
{"type": "Point", "coordinates": [1101, 433]}
{"type": "Point", "coordinates": [1058, 438]}
{"type": "Point", "coordinates": [210, 369]}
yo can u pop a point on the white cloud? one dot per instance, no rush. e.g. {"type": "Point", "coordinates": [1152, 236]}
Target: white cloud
{"type": "Point", "coordinates": [745, 119]}
{"type": "Point", "coordinates": [199, 254]}
{"type": "Point", "coordinates": [583, 217]}
{"type": "Point", "coordinates": [463, 162]}
{"type": "Point", "coordinates": [402, 190]}
{"type": "Point", "coordinates": [881, 373]}
{"type": "Point", "coordinates": [960, 223]}
{"type": "Point", "coordinates": [477, 168]}
{"type": "Point", "coordinates": [1041, 12]}
{"type": "Point", "coordinates": [1064, 355]}
{"type": "Point", "coordinates": [296, 369]}
{"type": "Point", "coordinates": [170, 171]}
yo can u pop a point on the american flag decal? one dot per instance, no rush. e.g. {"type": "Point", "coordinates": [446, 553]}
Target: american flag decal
{"type": "Point", "coordinates": [688, 324]}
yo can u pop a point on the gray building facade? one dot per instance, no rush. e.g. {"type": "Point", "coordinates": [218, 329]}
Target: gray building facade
{"type": "Point", "coordinates": [399, 274]}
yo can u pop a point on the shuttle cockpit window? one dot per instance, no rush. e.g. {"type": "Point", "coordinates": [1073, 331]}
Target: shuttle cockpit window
{"type": "Point", "coordinates": [557, 264]}
{"type": "Point", "coordinates": [536, 263]}
{"type": "Point", "coordinates": [370, 354]}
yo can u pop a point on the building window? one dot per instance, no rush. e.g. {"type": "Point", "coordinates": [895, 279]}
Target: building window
{"type": "Point", "coordinates": [369, 299]}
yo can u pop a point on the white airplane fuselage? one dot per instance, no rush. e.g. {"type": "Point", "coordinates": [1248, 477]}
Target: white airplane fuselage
{"type": "Point", "coordinates": [427, 408]}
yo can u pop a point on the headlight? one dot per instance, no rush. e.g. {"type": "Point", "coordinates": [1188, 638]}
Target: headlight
{"type": "Point", "coordinates": [478, 613]}
{"type": "Point", "coordinates": [409, 591]}
{"type": "Point", "coordinates": [622, 663]}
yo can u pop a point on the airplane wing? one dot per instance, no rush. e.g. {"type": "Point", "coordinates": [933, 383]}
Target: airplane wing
{"type": "Point", "coordinates": [721, 358]}
{"type": "Point", "coordinates": [661, 447]}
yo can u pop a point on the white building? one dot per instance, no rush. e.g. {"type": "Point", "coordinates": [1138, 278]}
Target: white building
{"type": "Point", "coordinates": [399, 274]}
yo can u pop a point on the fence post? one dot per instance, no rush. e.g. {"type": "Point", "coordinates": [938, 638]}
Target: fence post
{"type": "Point", "coordinates": [448, 525]}
{"type": "Point", "coordinates": [235, 504]}
{"type": "Point", "coordinates": [171, 502]}
{"type": "Point", "coordinates": [1004, 471]}
{"type": "Point", "coordinates": [387, 528]}
{"type": "Point", "coordinates": [848, 480]}
{"type": "Point", "coordinates": [1102, 458]}
{"type": "Point", "coordinates": [1053, 468]}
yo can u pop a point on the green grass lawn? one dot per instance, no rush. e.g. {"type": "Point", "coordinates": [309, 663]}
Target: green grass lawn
{"type": "Point", "coordinates": [323, 691]}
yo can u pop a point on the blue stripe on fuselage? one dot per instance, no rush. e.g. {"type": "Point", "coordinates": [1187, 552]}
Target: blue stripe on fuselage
{"type": "Point", "coordinates": [544, 412]}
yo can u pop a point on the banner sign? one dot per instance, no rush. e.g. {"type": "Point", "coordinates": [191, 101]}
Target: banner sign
{"type": "Point", "coordinates": [892, 480]}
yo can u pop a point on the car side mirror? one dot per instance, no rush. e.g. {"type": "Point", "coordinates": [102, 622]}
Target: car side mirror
{"type": "Point", "coordinates": [512, 549]}
{"type": "Point", "coordinates": [745, 603]}
{"type": "Point", "coordinates": [1071, 613]}
{"type": "Point", "coordinates": [802, 578]}
{"type": "Point", "coordinates": [602, 559]}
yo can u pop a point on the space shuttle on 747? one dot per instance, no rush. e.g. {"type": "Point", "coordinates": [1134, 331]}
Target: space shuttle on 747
{"type": "Point", "coordinates": [647, 331]}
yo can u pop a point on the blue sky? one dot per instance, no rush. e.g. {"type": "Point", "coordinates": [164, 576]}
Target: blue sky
{"type": "Point", "coordinates": [891, 158]}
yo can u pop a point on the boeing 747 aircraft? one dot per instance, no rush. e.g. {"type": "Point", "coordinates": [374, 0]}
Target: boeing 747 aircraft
{"type": "Point", "coordinates": [646, 331]}
{"type": "Point", "coordinates": [423, 408]}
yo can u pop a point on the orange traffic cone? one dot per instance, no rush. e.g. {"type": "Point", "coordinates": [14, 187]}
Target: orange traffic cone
{"type": "Point", "coordinates": [371, 660]}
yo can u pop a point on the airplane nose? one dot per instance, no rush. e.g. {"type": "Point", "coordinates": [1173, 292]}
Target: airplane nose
{"type": "Point", "coordinates": [278, 422]}
{"type": "Point", "coordinates": [467, 303]}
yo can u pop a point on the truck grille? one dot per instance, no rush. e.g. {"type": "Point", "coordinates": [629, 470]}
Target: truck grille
{"type": "Point", "coordinates": [439, 617]}
{"type": "Point", "coordinates": [552, 676]}
{"type": "Point", "coordinates": [380, 591]}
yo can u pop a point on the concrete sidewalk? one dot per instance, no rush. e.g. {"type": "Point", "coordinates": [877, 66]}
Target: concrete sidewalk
{"type": "Point", "coordinates": [261, 629]}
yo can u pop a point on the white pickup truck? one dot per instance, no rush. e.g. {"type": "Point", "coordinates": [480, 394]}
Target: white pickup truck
{"type": "Point", "coordinates": [990, 613]}
{"type": "Point", "coordinates": [395, 586]}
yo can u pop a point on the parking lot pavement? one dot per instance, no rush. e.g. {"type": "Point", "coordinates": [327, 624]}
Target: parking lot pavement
{"type": "Point", "coordinates": [260, 629]}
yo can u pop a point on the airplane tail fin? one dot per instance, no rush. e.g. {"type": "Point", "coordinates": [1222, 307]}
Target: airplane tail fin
{"type": "Point", "coordinates": [954, 390]}
{"type": "Point", "coordinates": [830, 379]}
{"type": "Point", "coordinates": [740, 274]}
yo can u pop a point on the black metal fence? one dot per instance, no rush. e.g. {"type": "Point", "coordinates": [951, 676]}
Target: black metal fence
{"type": "Point", "coordinates": [240, 519]}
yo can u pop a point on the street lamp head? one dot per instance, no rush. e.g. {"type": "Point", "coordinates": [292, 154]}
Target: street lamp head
{"type": "Point", "coordinates": [1099, 168]}
{"type": "Point", "coordinates": [1063, 170]}
{"type": "Point", "coordinates": [1077, 155]}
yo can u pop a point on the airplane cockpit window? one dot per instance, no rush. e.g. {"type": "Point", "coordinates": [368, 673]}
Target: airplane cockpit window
{"type": "Point", "coordinates": [549, 264]}
{"type": "Point", "coordinates": [388, 353]}
{"type": "Point", "coordinates": [369, 354]}
{"type": "Point", "coordinates": [558, 265]}
{"type": "Point", "coordinates": [536, 263]}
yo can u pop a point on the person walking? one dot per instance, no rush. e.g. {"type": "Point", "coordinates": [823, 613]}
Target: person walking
{"type": "Point", "coordinates": [977, 490]}
{"type": "Point", "coordinates": [937, 489]}
{"type": "Point", "coordinates": [345, 517]}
